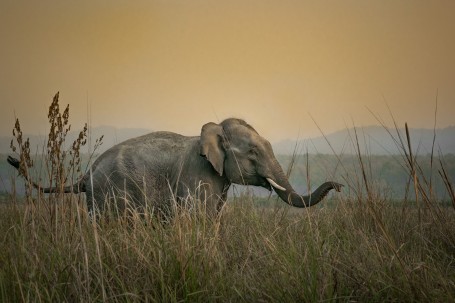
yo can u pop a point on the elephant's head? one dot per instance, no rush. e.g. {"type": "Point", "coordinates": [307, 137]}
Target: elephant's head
{"type": "Point", "coordinates": [239, 153]}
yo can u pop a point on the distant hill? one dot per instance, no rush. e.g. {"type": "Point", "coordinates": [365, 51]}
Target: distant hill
{"type": "Point", "coordinates": [375, 140]}
{"type": "Point", "coordinates": [387, 175]}
{"type": "Point", "coordinates": [386, 170]}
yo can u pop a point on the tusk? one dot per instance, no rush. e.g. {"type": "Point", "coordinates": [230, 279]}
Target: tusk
{"type": "Point", "coordinates": [273, 183]}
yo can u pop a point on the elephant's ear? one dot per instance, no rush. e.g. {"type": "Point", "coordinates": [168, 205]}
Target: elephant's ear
{"type": "Point", "coordinates": [212, 145]}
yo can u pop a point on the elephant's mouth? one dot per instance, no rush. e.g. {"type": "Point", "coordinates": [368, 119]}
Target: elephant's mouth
{"type": "Point", "coordinates": [275, 185]}
{"type": "Point", "coordinates": [269, 183]}
{"type": "Point", "coordinates": [262, 182]}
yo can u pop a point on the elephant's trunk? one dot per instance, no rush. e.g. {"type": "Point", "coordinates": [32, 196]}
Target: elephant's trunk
{"type": "Point", "coordinates": [283, 188]}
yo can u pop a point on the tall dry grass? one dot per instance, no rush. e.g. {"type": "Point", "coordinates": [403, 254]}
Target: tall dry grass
{"type": "Point", "coordinates": [363, 248]}
{"type": "Point", "coordinates": [248, 254]}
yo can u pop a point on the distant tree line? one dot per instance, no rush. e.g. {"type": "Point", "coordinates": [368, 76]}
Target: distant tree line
{"type": "Point", "coordinates": [387, 175]}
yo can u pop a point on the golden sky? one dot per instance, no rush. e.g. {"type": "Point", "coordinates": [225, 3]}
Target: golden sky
{"type": "Point", "coordinates": [175, 65]}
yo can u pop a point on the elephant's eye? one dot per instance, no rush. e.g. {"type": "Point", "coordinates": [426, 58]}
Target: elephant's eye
{"type": "Point", "coordinates": [253, 151]}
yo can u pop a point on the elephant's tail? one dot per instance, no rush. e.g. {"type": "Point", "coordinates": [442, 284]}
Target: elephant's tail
{"type": "Point", "coordinates": [74, 188]}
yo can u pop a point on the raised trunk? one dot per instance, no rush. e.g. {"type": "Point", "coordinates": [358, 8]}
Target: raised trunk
{"type": "Point", "coordinates": [293, 198]}
{"type": "Point", "coordinates": [289, 195]}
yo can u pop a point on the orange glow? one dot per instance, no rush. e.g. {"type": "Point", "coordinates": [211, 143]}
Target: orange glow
{"type": "Point", "coordinates": [175, 65]}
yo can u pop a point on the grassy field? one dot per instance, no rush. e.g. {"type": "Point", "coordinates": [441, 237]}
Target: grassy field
{"type": "Point", "coordinates": [360, 246]}
{"type": "Point", "coordinates": [371, 252]}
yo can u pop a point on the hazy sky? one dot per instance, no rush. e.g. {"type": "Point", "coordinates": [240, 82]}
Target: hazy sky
{"type": "Point", "coordinates": [175, 65]}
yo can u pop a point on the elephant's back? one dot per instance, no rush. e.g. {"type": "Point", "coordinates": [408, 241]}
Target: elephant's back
{"type": "Point", "coordinates": [153, 151]}
{"type": "Point", "coordinates": [156, 142]}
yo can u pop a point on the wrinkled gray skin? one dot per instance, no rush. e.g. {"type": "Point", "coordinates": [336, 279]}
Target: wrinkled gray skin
{"type": "Point", "coordinates": [156, 168]}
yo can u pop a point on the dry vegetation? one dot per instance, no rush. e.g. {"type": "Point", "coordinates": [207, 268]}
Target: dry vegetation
{"type": "Point", "coordinates": [361, 248]}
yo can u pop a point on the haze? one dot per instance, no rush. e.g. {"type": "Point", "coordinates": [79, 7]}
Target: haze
{"type": "Point", "coordinates": [175, 65]}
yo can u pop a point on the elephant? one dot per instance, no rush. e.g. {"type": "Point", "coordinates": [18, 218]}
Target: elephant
{"type": "Point", "coordinates": [159, 167]}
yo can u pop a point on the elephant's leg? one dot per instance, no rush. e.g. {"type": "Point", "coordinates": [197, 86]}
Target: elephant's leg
{"type": "Point", "coordinates": [223, 198]}
{"type": "Point", "coordinates": [214, 199]}
{"type": "Point", "coordinates": [95, 200]}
